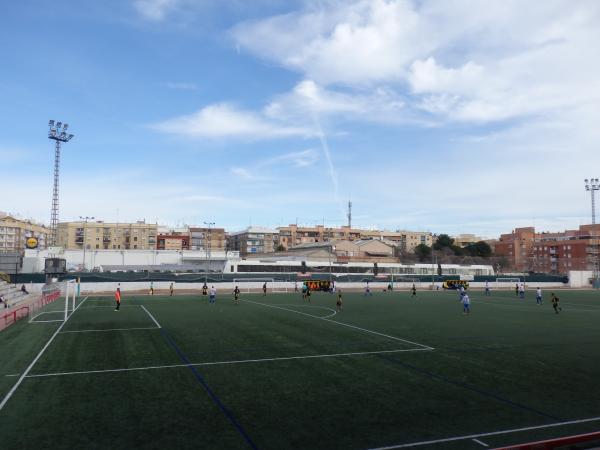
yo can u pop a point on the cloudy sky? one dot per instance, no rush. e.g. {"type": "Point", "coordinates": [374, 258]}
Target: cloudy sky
{"type": "Point", "coordinates": [449, 116]}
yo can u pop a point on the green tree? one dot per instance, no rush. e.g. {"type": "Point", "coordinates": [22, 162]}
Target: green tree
{"type": "Point", "coordinates": [443, 241]}
{"type": "Point", "coordinates": [423, 252]}
{"type": "Point", "coordinates": [280, 248]}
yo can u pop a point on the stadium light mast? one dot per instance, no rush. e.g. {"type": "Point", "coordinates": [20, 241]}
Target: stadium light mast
{"type": "Point", "coordinates": [207, 251]}
{"type": "Point", "coordinates": [592, 185]}
{"type": "Point", "coordinates": [85, 221]}
{"type": "Point", "coordinates": [58, 133]}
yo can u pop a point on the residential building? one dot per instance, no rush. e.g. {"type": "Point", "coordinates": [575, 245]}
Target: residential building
{"type": "Point", "coordinates": [547, 252]}
{"type": "Point", "coordinates": [253, 240]}
{"type": "Point", "coordinates": [15, 232]}
{"type": "Point", "coordinates": [294, 235]}
{"type": "Point", "coordinates": [462, 240]}
{"type": "Point", "coordinates": [204, 237]}
{"type": "Point", "coordinates": [107, 236]}
{"type": "Point", "coordinates": [173, 238]}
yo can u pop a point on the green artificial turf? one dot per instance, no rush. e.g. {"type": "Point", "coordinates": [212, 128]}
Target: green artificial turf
{"type": "Point", "coordinates": [276, 372]}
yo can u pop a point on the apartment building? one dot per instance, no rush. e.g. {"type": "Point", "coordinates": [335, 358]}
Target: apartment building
{"type": "Point", "coordinates": [204, 238]}
{"type": "Point", "coordinates": [294, 235]}
{"type": "Point", "coordinates": [14, 234]}
{"type": "Point", "coordinates": [546, 252]}
{"type": "Point", "coordinates": [107, 236]}
{"type": "Point", "coordinates": [253, 240]}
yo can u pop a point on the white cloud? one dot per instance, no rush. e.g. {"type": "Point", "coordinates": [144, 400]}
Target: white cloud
{"type": "Point", "coordinates": [300, 159]}
{"type": "Point", "coordinates": [224, 120]}
{"type": "Point", "coordinates": [155, 10]}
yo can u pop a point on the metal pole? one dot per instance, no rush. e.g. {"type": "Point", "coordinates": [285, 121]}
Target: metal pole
{"type": "Point", "coordinates": [54, 213]}
{"type": "Point", "coordinates": [207, 251]}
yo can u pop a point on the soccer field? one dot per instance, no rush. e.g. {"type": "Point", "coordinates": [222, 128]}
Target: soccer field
{"type": "Point", "coordinates": [276, 372]}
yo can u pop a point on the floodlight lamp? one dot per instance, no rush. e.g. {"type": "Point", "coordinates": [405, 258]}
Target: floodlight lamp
{"type": "Point", "coordinates": [70, 136]}
{"type": "Point", "coordinates": [65, 126]}
{"type": "Point", "coordinates": [51, 123]}
{"type": "Point", "coordinates": [586, 181]}
{"type": "Point", "coordinates": [58, 124]}
{"type": "Point", "coordinates": [63, 135]}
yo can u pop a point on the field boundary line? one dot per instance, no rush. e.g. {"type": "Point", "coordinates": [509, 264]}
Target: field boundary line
{"type": "Point", "coordinates": [108, 329]}
{"type": "Point", "coordinates": [39, 355]}
{"type": "Point", "coordinates": [427, 347]}
{"type": "Point", "coordinates": [491, 433]}
{"type": "Point", "coordinates": [151, 316]}
{"type": "Point", "coordinates": [220, 363]}
{"type": "Point", "coordinates": [32, 320]}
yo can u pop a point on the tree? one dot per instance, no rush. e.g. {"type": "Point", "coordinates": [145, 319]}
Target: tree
{"type": "Point", "coordinates": [423, 252]}
{"type": "Point", "coordinates": [480, 248]}
{"type": "Point", "coordinates": [280, 248]}
{"type": "Point", "coordinates": [443, 241]}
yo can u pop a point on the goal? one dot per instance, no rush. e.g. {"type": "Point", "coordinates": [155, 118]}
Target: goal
{"type": "Point", "coordinates": [406, 282]}
{"type": "Point", "coordinates": [248, 285]}
{"type": "Point", "coordinates": [507, 283]}
{"type": "Point", "coordinates": [70, 294]}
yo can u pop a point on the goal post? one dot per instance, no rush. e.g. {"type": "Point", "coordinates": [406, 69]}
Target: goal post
{"type": "Point", "coordinates": [70, 293]}
{"type": "Point", "coordinates": [246, 285]}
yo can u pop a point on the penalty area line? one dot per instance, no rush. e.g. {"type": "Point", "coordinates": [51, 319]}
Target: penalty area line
{"type": "Point", "coordinates": [220, 363]}
{"type": "Point", "coordinates": [151, 316]}
{"type": "Point", "coordinates": [423, 346]}
{"type": "Point", "coordinates": [39, 355]}
{"type": "Point", "coordinates": [473, 437]}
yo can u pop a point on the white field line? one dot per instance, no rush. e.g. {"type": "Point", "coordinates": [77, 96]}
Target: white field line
{"type": "Point", "coordinates": [39, 355]}
{"type": "Point", "coordinates": [220, 363]}
{"type": "Point", "coordinates": [109, 306]}
{"type": "Point", "coordinates": [479, 442]}
{"type": "Point", "coordinates": [46, 312]}
{"type": "Point", "coordinates": [492, 433]}
{"type": "Point", "coordinates": [425, 347]}
{"type": "Point", "coordinates": [151, 316]}
{"type": "Point", "coordinates": [47, 321]}
{"type": "Point", "coordinates": [333, 311]}
{"type": "Point", "coordinates": [108, 329]}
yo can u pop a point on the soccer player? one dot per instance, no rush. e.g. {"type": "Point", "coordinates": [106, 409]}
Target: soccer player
{"type": "Point", "coordinates": [522, 291]}
{"type": "Point", "coordinates": [487, 289]}
{"type": "Point", "coordinates": [308, 293]}
{"type": "Point", "coordinates": [466, 304]}
{"type": "Point", "coordinates": [295, 286]}
{"type": "Point", "coordinates": [304, 289]}
{"type": "Point", "coordinates": [538, 296]}
{"type": "Point", "coordinates": [517, 290]}
{"type": "Point", "coordinates": [236, 295]}
{"type": "Point", "coordinates": [204, 289]}
{"type": "Point", "coordinates": [555, 303]}
{"type": "Point", "coordinates": [390, 288]}
{"type": "Point", "coordinates": [338, 303]}
{"type": "Point", "coordinates": [151, 292]}
{"type": "Point", "coordinates": [171, 289]}
{"type": "Point", "coordinates": [118, 298]}
{"type": "Point", "coordinates": [414, 291]}
{"type": "Point", "coordinates": [212, 298]}
{"type": "Point", "coordinates": [367, 289]}
{"type": "Point", "coordinates": [461, 292]}
{"type": "Point", "coordinates": [265, 289]}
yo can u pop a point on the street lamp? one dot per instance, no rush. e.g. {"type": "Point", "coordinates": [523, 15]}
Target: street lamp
{"type": "Point", "coordinates": [85, 221]}
{"type": "Point", "coordinates": [331, 249]}
{"type": "Point", "coordinates": [207, 250]}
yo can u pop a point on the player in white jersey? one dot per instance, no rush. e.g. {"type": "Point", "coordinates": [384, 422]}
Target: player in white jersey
{"type": "Point", "coordinates": [212, 297]}
{"type": "Point", "coordinates": [538, 296]}
{"type": "Point", "coordinates": [487, 289]}
{"type": "Point", "coordinates": [466, 304]}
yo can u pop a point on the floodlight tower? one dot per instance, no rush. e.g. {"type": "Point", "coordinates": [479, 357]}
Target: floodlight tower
{"type": "Point", "coordinates": [207, 248]}
{"type": "Point", "coordinates": [57, 132]}
{"type": "Point", "coordinates": [592, 185]}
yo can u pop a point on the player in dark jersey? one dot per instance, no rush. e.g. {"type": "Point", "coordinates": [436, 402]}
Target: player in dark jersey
{"type": "Point", "coordinates": [338, 303]}
{"type": "Point", "coordinates": [414, 291]}
{"type": "Point", "coordinates": [555, 303]}
{"type": "Point", "coordinates": [308, 293]}
{"type": "Point", "coordinates": [205, 290]}
{"type": "Point", "coordinates": [236, 295]}
{"type": "Point", "coordinates": [264, 289]}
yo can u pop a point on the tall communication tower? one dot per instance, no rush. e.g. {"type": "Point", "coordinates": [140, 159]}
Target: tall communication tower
{"type": "Point", "coordinates": [349, 215]}
{"type": "Point", "coordinates": [58, 133]}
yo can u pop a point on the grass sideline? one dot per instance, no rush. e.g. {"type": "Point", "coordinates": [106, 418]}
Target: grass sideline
{"type": "Point", "coordinates": [276, 372]}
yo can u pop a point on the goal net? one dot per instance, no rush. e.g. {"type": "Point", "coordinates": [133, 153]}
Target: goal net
{"type": "Point", "coordinates": [406, 282]}
{"type": "Point", "coordinates": [508, 282]}
{"type": "Point", "coordinates": [249, 285]}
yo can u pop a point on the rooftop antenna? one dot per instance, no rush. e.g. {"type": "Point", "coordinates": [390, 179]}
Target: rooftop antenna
{"type": "Point", "coordinates": [349, 215]}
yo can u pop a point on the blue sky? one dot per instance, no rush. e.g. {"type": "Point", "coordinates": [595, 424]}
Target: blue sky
{"type": "Point", "coordinates": [453, 116]}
